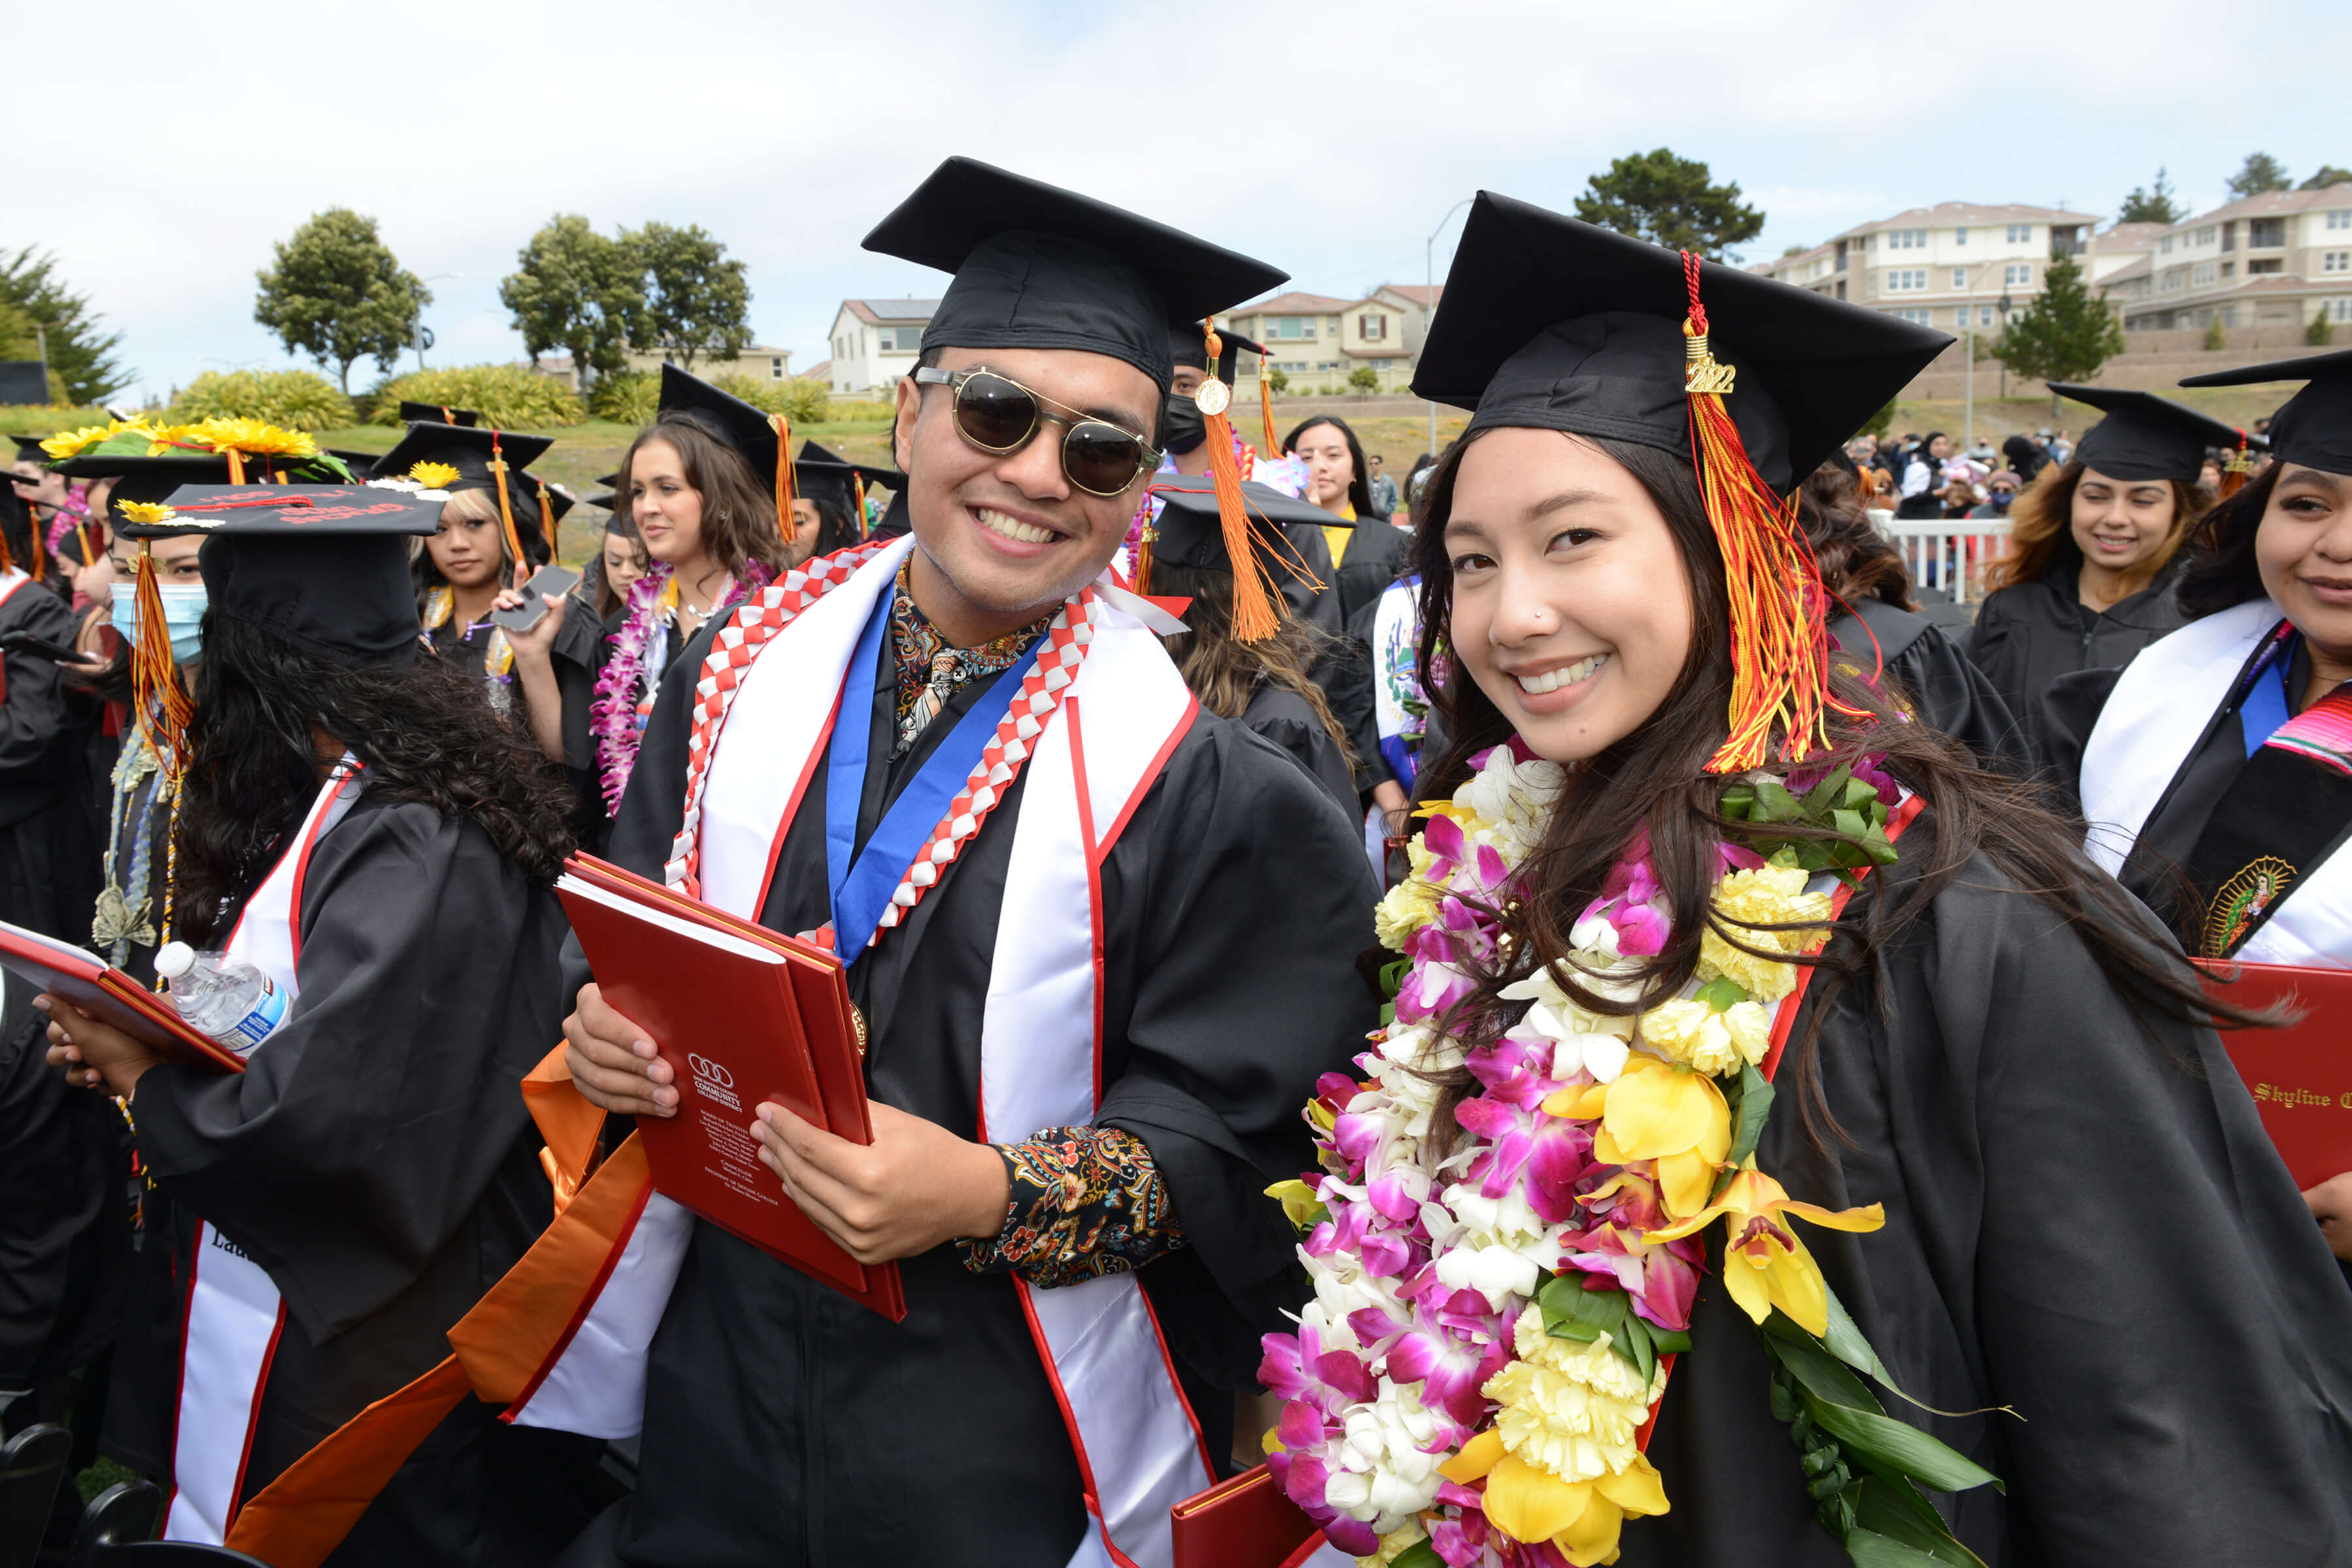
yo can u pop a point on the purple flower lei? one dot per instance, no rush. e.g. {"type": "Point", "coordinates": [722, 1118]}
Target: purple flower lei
{"type": "Point", "coordinates": [613, 715]}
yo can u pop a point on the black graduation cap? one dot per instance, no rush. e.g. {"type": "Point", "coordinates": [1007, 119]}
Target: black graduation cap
{"type": "Point", "coordinates": [748, 430]}
{"type": "Point", "coordinates": [361, 464]}
{"type": "Point", "coordinates": [28, 450]}
{"type": "Point", "coordinates": [1041, 268]}
{"type": "Point", "coordinates": [609, 499]}
{"type": "Point", "coordinates": [435, 413]}
{"type": "Point", "coordinates": [1190, 532]}
{"type": "Point", "coordinates": [2144, 436]}
{"type": "Point", "coordinates": [1608, 358]}
{"type": "Point", "coordinates": [324, 566]}
{"type": "Point", "coordinates": [818, 471]}
{"type": "Point", "coordinates": [1188, 343]}
{"type": "Point", "coordinates": [154, 490]}
{"type": "Point", "coordinates": [2314, 428]}
{"type": "Point", "coordinates": [464, 447]}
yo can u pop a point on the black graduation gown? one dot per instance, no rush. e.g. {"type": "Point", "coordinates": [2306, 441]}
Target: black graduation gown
{"type": "Point", "coordinates": [1922, 665]}
{"type": "Point", "coordinates": [2084, 1221]}
{"type": "Point", "coordinates": [786, 1425]}
{"type": "Point", "coordinates": [49, 855]}
{"type": "Point", "coordinates": [1283, 718]}
{"type": "Point", "coordinates": [583, 646]}
{"type": "Point", "coordinates": [2029, 633]}
{"type": "Point", "coordinates": [377, 1160]}
{"type": "Point", "coordinates": [1374, 557]}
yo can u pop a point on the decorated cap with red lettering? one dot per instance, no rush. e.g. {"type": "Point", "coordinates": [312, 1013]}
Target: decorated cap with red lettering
{"type": "Point", "coordinates": [324, 566]}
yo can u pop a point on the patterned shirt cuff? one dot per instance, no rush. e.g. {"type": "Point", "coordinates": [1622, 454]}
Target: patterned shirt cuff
{"type": "Point", "coordinates": [1084, 1202]}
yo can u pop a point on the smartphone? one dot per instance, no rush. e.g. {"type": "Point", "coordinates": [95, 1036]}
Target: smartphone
{"type": "Point", "coordinates": [41, 648]}
{"type": "Point", "coordinates": [527, 614]}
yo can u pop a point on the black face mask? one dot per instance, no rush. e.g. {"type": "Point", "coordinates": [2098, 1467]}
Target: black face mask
{"type": "Point", "coordinates": [1181, 426]}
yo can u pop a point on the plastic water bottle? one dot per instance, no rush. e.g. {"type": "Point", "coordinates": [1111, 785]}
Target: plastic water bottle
{"type": "Point", "coordinates": [224, 997]}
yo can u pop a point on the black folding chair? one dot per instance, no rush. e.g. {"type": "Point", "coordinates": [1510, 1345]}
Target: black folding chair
{"type": "Point", "coordinates": [116, 1527]}
{"type": "Point", "coordinates": [32, 1466]}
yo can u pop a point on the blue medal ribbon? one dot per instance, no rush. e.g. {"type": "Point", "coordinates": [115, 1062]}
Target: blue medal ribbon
{"type": "Point", "coordinates": [861, 887]}
{"type": "Point", "coordinates": [2266, 710]}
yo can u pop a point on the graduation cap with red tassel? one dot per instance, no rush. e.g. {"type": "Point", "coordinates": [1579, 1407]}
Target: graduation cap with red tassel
{"type": "Point", "coordinates": [1751, 382]}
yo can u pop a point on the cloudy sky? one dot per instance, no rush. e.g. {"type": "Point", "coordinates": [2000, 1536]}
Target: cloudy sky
{"type": "Point", "coordinates": [1329, 139]}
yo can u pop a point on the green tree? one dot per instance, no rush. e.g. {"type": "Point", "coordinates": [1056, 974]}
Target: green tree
{"type": "Point", "coordinates": [2260, 172]}
{"type": "Point", "coordinates": [1364, 378]}
{"type": "Point", "coordinates": [1667, 201]}
{"type": "Point", "coordinates": [579, 291]}
{"type": "Point", "coordinates": [1278, 379]}
{"type": "Point", "coordinates": [2067, 334]}
{"type": "Point", "coordinates": [2322, 331]}
{"type": "Point", "coordinates": [2328, 174]}
{"type": "Point", "coordinates": [697, 301]}
{"type": "Point", "coordinates": [82, 354]}
{"type": "Point", "coordinates": [2152, 205]}
{"type": "Point", "coordinates": [339, 294]}
{"type": "Point", "coordinates": [2216, 337]}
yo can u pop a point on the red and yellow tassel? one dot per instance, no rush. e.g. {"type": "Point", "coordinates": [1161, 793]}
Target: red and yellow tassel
{"type": "Point", "coordinates": [1253, 617]}
{"type": "Point", "coordinates": [547, 525]}
{"type": "Point", "coordinates": [157, 696]}
{"type": "Point", "coordinates": [506, 508]}
{"type": "Point", "coordinates": [1779, 640]}
{"type": "Point", "coordinates": [784, 428]}
{"type": "Point", "coordinates": [2237, 468]}
{"type": "Point", "coordinates": [857, 488]}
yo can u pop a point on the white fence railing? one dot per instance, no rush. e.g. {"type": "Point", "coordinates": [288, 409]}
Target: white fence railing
{"type": "Point", "coordinates": [1951, 553]}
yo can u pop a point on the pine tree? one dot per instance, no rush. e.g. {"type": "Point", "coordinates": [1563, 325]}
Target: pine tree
{"type": "Point", "coordinates": [2067, 334]}
{"type": "Point", "coordinates": [1667, 201]}
{"type": "Point", "coordinates": [2326, 176]}
{"type": "Point", "coordinates": [81, 355]}
{"type": "Point", "coordinates": [2260, 172]}
{"type": "Point", "coordinates": [2156, 206]}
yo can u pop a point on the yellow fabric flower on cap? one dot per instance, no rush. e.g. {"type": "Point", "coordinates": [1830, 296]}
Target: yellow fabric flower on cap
{"type": "Point", "coordinates": [1689, 1031]}
{"type": "Point", "coordinates": [255, 438]}
{"type": "Point", "coordinates": [434, 475]}
{"type": "Point", "coordinates": [1764, 896]}
{"type": "Point", "coordinates": [1764, 1264]}
{"type": "Point", "coordinates": [165, 438]}
{"type": "Point", "coordinates": [1560, 1463]}
{"type": "Point", "coordinates": [71, 442]}
{"type": "Point", "coordinates": [151, 513]}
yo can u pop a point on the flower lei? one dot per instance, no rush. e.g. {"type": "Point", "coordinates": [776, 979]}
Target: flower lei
{"type": "Point", "coordinates": [612, 714]}
{"type": "Point", "coordinates": [1494, 1314]}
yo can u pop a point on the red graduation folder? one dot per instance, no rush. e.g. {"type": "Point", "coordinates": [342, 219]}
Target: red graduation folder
{"type": "Point", "coordinates": [110, 996]}
{"type": "Point", "coordinates": [1243, 1521]}
{"type": "Point", "coordinates": [2300, 1075]}
{"type": "Point", "coordinates": [743, 1015]}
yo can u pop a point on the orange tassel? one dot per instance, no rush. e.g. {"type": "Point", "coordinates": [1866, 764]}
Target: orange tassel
{"type": "Point", "coordinates": [1779, 644]}
{"type": "Point", "coordinates": [858, 486]}
{"type": "Point", "coordinates": [1253, 617]}
{"type": "Point", "coordinates": [2240, 464]}
{"type": "Point", "coordinates": [1266, 408]}
{"type": "Point", "coordinates": [236, 465]}
{"type": "Point", "coordinates": [156, 693]}
{"type": "Point", "coordinates": [784, 428]}
{"type": "Point", "coordinates": [505, 512]}
{"type": "Point", "coordinates": [547, 522]}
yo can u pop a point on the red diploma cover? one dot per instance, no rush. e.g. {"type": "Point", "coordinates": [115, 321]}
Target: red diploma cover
{"type": "Point", "coordinates": [1243, 1522]}
{"type": "Point", "coordinates": [110, 996]}
{"type": "Point", "coordinates": [2300, 1075]}
{"type": "Point", "coordinates": [743, 1015]}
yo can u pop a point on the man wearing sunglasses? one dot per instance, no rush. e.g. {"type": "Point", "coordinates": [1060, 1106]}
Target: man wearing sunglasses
{"type": "Point", "coordinates": [1119, 958]}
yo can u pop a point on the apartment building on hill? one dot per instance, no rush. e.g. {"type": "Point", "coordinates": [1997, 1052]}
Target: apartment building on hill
{"type": "Point", "coordinates": [1316, 339]}
{"type": "Point", "coordinates": [2277, 259]}
{"type": "Point", "coordinates": [1952, 266]}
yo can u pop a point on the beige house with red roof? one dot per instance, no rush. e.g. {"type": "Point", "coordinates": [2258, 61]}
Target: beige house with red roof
{"type": "Point", "coordinates": [1949, 266]}
{"type": "Point", "coordinates": [874, 342]}
{"type": "Point", "coordinates": [1317, 340]}
{"type": "Point", "coordinates": [2277, 259]}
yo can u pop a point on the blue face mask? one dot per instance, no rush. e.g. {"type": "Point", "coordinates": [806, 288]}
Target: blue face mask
{"type": "Point", "coordinates": [184, 613]}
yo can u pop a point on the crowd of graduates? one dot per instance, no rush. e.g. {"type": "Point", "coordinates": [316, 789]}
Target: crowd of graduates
{"type": "Point", "coordinates": [1191, 812]}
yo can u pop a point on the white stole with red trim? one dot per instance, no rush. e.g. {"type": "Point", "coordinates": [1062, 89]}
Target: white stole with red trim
{"type": "Point", "coordinates": [235, 1314]}
{"type": "Point", "coordinates": [1096, 753]}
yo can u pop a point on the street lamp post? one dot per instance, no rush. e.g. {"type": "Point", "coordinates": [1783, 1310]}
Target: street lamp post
{"type": "Point", "coordinates": [416, 328]}
{"type": "Point", "coordinates": [1429, 297]}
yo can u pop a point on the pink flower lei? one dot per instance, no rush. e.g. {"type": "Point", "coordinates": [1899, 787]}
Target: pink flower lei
{"type": "Point", "coordinates": [612, 714]}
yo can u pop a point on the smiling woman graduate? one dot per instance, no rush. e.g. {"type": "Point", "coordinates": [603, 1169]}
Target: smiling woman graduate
{"type": "Point", "coordinates": [1997, 1153]}
{"type": "Point", "coordinates": [357, 824]}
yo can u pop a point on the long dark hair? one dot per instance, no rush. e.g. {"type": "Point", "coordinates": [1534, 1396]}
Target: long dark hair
{"type": "Point", "coordinates": [1223, 672]}
{"type": "Point", "coordinates": [2041, 527]}
{"type": "Point", "coordinates": [609, 599]}
{"type": "Point", "coordinates": [1857, 561]}
{"type": "Point", "coordinates": [2222, 571]}
{"type": "Point", "coordinates": [1656, 777]}
{"type": "Point", "coordinates": [1359, 489]}
{"type": "Point", "coordinates": [254, 753]}
{"type": "Point", "coordinates": [739, 510]}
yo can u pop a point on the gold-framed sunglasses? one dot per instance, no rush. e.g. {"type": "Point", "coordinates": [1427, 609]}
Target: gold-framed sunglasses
{"type": "Point", "coordinates": [999, 416]}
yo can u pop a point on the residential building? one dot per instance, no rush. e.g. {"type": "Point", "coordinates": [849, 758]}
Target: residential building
{"type": "Point", "coordinates": [874, 342]}
{"type": "Point", "coordinates": [1950, 266]}
{"type": "Point", "coordinates": [1316, 339]}
{"type": "Point", "coordinates": [2272, 261]}
{"type": "Point", "coordinates": [761, 360]}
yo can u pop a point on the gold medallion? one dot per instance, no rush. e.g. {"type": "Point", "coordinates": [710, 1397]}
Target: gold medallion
{"type": "Point", "coordinates": [1213, 397]}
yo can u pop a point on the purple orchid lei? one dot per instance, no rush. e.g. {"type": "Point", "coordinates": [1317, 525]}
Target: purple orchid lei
{"type": "Point", "coordinates": [1518, 1274]}
{"type": "Point", "coordinates": [612, 714]}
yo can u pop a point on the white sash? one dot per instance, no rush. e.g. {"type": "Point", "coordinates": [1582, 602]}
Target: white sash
{"type": "Point", "coordinates": [2160, 707]}
{"type": "Point", "coordinates": [235, 1315]}
{"type": "Point", "coordinates": [1136, 1442]}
